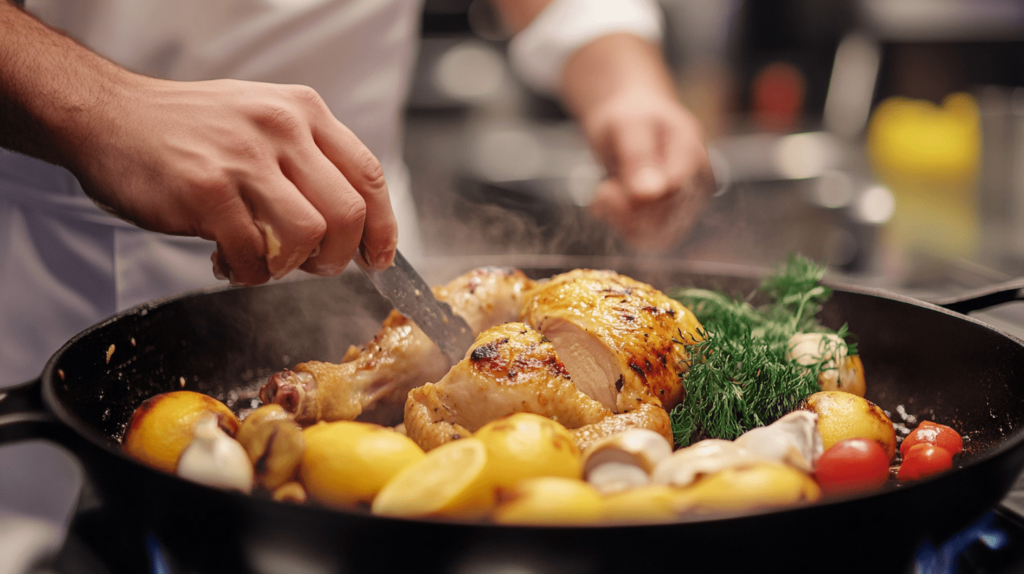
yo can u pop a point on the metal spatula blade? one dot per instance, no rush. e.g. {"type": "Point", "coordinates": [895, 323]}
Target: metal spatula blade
{"type": "Point", "coordinates": [411, 295]}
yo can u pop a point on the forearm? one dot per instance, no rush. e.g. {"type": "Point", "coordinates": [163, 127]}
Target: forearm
{"type": "Point", "coordinates": [609, 68]}
{"type": "Point", "coordinates": [51, 88]}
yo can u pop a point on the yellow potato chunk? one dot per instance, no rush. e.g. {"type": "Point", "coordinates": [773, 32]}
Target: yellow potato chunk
{"type": "Point", "coordinates": [550, 500]}
{"type": "Point", "coordinates": [346, 463]}
{"type": "Point", "coordinates": [764, 485]}
{"type": "Point", "coordinates": [652, 503]}
{"type": "Point", "coordinates": [525, 445]}
{"type": "Point", "coordinates": [844, 415]}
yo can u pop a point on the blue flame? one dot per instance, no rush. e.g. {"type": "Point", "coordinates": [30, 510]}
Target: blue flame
{"type": "Point", "coordinates": [943, 560]}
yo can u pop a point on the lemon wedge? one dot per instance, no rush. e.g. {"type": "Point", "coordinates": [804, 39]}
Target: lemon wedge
{"type": "Point", "coordinates": [450, 481]}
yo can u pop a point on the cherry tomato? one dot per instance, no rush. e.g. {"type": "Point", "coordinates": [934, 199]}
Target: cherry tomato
{"type": "Point", "coordinates": [851, 466]}
{"type": "Point", "coordinates": [923, 460]}
{"type": "Point", "coordinates": [933, 433]}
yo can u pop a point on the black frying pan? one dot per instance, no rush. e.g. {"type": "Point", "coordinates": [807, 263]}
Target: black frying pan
{"type": "Point", "coordinates": [935, 363]}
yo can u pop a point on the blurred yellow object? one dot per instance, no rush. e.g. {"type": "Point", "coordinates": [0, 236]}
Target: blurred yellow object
{"type": "Point", "coordinates": [450, 481]}
{"type": "Point", "coordinates": [928, 156]}
{"type": "Point", "coordinates": [526, 445]}
{"type": "Point", "coordinates": [550, 501]}
{"type": "Point", "coordinates": [163, 425]}
{"type": "Point", "coordinates": [347, 463]}
{"type": "Point", "coordinates": [920, 140]}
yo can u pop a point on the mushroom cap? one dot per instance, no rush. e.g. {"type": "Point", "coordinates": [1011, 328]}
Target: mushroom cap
{"type": "Point", "coordinates": [639, 447]}
{"type": "Point", "coordinates": [624, 460]}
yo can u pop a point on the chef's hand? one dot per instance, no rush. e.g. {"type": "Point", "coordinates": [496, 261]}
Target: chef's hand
{"type": "Point", "coordinates": [659, 177]}
{"type": "Point", "coordinates": [264, 170]}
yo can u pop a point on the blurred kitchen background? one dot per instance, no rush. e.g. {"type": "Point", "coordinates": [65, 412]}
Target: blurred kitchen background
{"type": "Point", "coordinates": [884, 138]}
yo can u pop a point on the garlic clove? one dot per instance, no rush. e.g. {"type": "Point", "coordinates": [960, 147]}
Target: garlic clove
{"type": "Point", "coordinates": [793, 439]}
{"type": "Point", "coordinates": [706, 457]}
{"type": "Point", "coordinates": [215, 459]}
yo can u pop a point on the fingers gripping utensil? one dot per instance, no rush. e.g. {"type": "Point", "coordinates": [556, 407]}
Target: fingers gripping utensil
{"type": "Point", "coordinates": [410, 294]}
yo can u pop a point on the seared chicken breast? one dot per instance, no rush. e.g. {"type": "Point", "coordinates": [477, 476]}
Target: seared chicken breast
{"type": "Point", "coordinates": [623, 341]}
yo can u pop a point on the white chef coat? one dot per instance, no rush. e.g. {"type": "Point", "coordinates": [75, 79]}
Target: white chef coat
{"type": "Point", "coordinates": [65, 264]}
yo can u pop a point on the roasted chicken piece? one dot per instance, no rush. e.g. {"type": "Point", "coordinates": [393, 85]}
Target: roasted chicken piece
{"type": "Point", "coordinates": [510, 368]}
{"type": "Point", "coordinates": [623, 341]}
{"type": "Point", "coordinates": [374, 381]}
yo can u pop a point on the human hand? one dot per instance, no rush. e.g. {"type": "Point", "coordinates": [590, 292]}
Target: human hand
{"type": "Point", "coordinates": [659, 176]}
{"type": "Point", "coordinates": [264, 170]}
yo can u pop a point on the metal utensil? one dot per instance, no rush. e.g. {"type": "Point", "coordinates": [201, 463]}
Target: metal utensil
{"type": "Point", "coordinates": [411, 295]}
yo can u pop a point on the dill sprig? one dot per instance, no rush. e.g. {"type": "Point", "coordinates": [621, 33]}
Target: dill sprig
{"type": "Point", "coordinates": [739, 378]}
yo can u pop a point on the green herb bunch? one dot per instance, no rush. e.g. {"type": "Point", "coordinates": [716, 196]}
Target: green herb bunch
{"type": "Point", "coordinates": [739, 378]}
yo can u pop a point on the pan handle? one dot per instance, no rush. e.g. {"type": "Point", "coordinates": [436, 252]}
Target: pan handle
{"type": "Point", "coordinates": [985, 297]}
{"type": "Point", "coordinates": [23, 415]}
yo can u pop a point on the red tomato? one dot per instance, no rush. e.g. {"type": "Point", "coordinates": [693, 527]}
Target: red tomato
{"type": "Point", "coordinates": [852, 465]}
{"type": "Point", "coordinates": [933, 433]}
{"type": "Point", "coordinates": [924, 460]}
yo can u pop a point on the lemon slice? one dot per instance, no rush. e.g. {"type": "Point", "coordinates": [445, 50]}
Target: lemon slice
{"type": "Point", "coordinates": [451, 481]}
{"type": "Point", "coordinates": [346, 463]}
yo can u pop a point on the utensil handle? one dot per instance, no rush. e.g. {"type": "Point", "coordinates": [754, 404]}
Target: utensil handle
{"type": "Point", "coordinates": [23, 415]}
{"type": "Point", "coordinates": [985, 297]}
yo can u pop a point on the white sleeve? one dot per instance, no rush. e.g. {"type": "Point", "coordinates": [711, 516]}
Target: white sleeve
{"type": "Point", "coordinates": [539, 52]}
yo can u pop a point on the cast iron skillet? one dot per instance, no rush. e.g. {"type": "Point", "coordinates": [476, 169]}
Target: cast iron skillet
{"type": "Point", "coordinates": [933, 362]}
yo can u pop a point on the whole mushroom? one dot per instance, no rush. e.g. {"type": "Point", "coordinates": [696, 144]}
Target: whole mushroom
{"type": "Point", "coordinates": [840, 371]}
{"type": "Point", "coordinates": [274, 443]}
{"type": "Point", "coordinates": [624, 460]}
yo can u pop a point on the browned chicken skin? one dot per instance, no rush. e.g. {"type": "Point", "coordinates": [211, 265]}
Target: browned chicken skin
{"type": "Point", "coordinates": [624, 342]}
{"type": "Point", "coordinates": [398, 358]}
{"type": "Point", "coordinates": [510, 368]}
